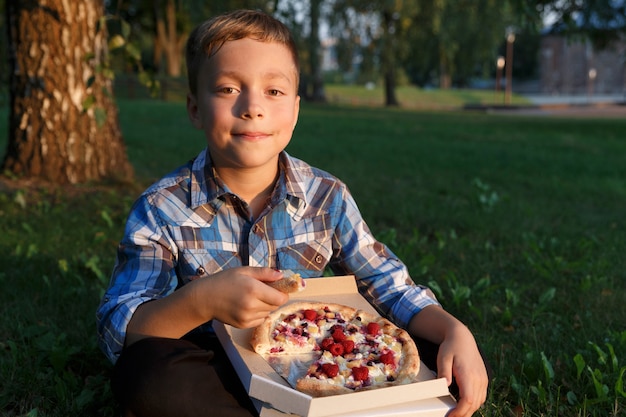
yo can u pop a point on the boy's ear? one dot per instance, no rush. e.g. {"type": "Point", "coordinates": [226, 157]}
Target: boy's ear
{"type": "Point", "coordinates": [296, 112]}
{"type": "Point", "coordinates": [193, 112]}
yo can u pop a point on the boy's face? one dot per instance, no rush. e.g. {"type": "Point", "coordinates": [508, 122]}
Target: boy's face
{"type": "Point", "coordinates": [246, 103]}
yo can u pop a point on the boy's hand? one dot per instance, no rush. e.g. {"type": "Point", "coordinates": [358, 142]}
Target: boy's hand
{"type": "Point", "coordinates": [239, 296]}
{"type": "Point", "coordinates": [458, 357]}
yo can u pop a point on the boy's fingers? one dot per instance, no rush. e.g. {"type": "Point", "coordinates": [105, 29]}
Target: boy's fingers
{"type": "Point", "coordinates": [444, 367]}
{"type": "Point", "coordinates": [265, 274]}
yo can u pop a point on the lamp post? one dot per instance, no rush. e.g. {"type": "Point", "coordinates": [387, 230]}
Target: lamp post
{"type": "Point", "coordinates": [510, 39]}
{"type": "Point", "coordinates": [590, 82]}
{"type": "Point", "coordinates": [499, 67]}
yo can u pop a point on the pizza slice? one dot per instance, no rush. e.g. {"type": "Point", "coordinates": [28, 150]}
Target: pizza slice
{"type": "Point", "coordinates": [291, 282]}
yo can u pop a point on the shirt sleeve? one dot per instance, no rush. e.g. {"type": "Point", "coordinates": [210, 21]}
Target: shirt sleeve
{"type": "Point", "coordinates": [143, 271]}
{"type": "Point", "coordinates": [382, 278]}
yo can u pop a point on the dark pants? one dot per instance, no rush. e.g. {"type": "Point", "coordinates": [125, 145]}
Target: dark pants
{"type": "Point", "coordinates": [193, 377]}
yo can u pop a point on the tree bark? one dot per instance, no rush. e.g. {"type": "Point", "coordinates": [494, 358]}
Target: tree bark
{"type": "Point", "coordinates": [63, 122]}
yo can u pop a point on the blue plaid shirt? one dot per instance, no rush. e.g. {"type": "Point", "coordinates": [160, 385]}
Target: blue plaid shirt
{"type": "Point", "coordinates": [189, 225]}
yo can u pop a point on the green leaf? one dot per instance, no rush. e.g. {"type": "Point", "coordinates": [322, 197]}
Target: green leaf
{"type": "Point", "coordinates": [547, 296]}
{"type": "Point", "coordinates": [116, 42]}
{"type": "Point", "coordinates": [133, 52]}
{"type": "Point", "coordinates": [547, 368]}
{"type": "Point", "coordinates": [571, 398]}
{"type": "Point", "coordinates": [92, 265]}
{"type": "Point", "coordinates": [580, 365]}
{"type": "Point", "coordinates": [101, 116]}
{"type": "Point", "coordinates": [63, 266]}
{"type": "Point", "coordinates": [601, 354]}
{"type": "Point", "coordinates": [601, 389]}
{"type": "Point", "coordinates": [612, 356]}
{"type": "Point", "coordinates": [20, 199]}
{"type": "Point", "coordinates": [107, 219]}
{"type": "Point", "coordinates": [88, 102]}
{"type": "Point", "coordinates": [125, 28]}
{"type": "Point", "coordinates": [619, 384]}
{"type": "Point", "coordinates": [108, 73]}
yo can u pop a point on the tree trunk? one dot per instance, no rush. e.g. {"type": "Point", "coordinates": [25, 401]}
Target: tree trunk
{"type": "Point", "coordinates": [445, 80]}
{"type": "Point", "coordinates": [318, 93]}
{"type": "Point", "coordinates": [63, 122]}
{"type": "Point", "coordinates": [389, 60]}
{"type": "Point", "coordinates": [167, 36]}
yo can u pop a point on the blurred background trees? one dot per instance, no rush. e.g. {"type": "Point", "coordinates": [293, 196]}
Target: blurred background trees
{"type": "Point", "coordinates": [427, 43]}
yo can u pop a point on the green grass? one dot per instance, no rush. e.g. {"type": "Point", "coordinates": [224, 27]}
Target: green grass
{"type": "Point", "coordinates": [416, 98]}
{"type": "Point", "coordinates": [516, 222]}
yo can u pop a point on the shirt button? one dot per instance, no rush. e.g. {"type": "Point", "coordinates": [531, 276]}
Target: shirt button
{"type": "Point", "coordinates": [200, 271]}
{"type": "Point", "coordinates": [318, 259]}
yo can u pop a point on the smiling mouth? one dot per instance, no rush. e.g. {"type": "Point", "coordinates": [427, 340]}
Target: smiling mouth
{"type": "Point", "coordinates": [251, 135]}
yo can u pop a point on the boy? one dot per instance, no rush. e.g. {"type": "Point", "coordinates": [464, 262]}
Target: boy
{"type": "Point", "coordinates": [202, 242]}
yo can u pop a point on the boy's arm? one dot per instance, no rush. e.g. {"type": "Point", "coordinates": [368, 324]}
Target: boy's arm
{"type": "Point", "coordinates": [458, 356]}
{"type": "Point", "coordinates": [143, 284]}
{"type": "Point", "coordinates": [234, 296]}
{"type": "Point", "coordinates": [143, 271]}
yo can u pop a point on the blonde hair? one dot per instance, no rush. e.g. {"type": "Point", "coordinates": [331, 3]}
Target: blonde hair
{"type": "Point", "coordinates": [206, 39]}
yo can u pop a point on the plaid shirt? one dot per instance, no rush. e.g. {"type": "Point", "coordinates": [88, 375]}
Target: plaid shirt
{"type": "Point", "coordinates": [189, 225]}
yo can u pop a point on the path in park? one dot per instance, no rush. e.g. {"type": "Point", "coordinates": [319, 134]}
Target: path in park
{"type": "Point", "coordinates": [613, 106]}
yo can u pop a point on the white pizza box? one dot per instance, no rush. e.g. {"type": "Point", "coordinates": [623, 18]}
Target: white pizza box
{"type": "Point", "coordinates": [429, 397]}
{"type": "Point", "coordinates": [429, 407]}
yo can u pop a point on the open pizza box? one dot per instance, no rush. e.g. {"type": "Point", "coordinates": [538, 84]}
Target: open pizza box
{"type": "Point", "coordinates": [429, 397]}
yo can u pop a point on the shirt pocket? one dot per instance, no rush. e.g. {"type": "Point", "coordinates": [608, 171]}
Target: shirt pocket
{"type": "Point", "coordinates": [308, 249]}
{"type": "Point", "coordinates": [198, 263]}
{"type": "Point", "coordinates": [308, 259]}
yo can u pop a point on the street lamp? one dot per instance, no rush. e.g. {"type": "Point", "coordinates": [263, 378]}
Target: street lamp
{"type": "Point", "coordinates": [499, 66]}
{"type": "Point", "coordinates": [590, 83]}
{"type": "Point", "coordinates": [510, 38]}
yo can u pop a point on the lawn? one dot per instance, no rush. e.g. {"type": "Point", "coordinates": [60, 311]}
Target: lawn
{"type": "Point", "coordinates": [418, 98]}
{"type": "Point", "coordinates": [517, 223]}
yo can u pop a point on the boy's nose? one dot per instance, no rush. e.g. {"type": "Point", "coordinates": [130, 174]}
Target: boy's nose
{"type": "Point", "coordinates": [251, 107]}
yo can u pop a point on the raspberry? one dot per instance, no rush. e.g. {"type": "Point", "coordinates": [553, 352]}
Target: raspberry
{"type": "Point", "coordinates": [360, 373]}
{"type": "Point", "coordinates": [387, 358]}
{"type": "Point", "coordinates": [326, 343]}
{"type": "Point", "coordinates": [338, 334]}
{"type": "Point", "coordinates": [373, 328]}
{"type": "Point", "coordinates": [336, 349]}
{"type": "Point", "coordinates": [348, 346]}
{"type": "Point", "coordinates": [310, 315]}
{"type": "Point", "coordinates": [330, 369]}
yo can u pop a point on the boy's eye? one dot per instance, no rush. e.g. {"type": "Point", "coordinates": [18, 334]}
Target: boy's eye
{"type": "Point", "coordinates": [226, 90]}
{"type": "Point", "coordinates": [274, 92]}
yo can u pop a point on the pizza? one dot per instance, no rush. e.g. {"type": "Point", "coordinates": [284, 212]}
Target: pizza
{"type": "Point", "coordinates": [290, 282]}
{"type": "Point", "coordinates": [352, 349]}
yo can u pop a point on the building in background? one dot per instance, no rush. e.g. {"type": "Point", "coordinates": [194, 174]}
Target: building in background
{"type": "Point", "coordinates": [575, 67]}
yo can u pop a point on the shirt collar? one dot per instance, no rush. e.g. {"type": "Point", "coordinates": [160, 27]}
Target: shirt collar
{"type": "Point", "coordinates": [206, 187]}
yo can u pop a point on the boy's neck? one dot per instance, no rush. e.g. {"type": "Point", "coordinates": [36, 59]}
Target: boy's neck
{"type": "Point", "coordinates": [254, 186]}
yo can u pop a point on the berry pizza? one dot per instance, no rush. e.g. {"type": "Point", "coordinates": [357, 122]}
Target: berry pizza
{"type": "Point", "coordinates": [353, 349]}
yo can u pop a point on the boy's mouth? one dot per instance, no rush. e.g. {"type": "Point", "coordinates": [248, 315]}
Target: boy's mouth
{"type": "Point", "coordinates": [251, 135]}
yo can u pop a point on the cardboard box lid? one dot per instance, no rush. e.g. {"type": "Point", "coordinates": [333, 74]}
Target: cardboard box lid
{"type": "Point", "coordinates": [264, 384]}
